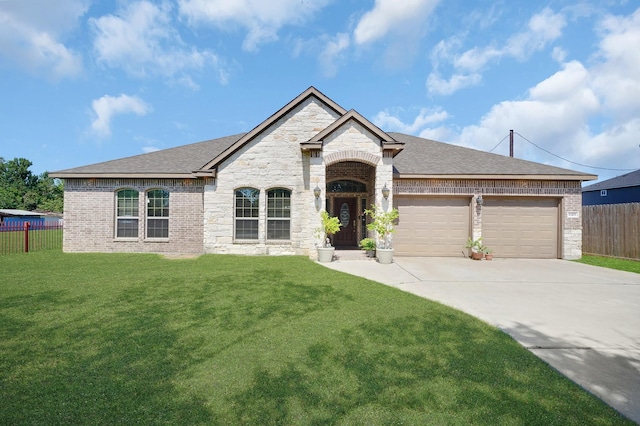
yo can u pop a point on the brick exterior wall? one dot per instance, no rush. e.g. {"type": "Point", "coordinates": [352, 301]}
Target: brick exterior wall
{"type": "Point", "coordinates": [89, 216]}
{"type": "Point", "coordinates": [569, 194]}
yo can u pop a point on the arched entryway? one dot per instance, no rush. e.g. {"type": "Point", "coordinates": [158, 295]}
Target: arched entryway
{"type": "Point", "coordinates": [349, 192]}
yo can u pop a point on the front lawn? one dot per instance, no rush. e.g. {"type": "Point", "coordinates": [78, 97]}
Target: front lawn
{"type": "Point", "coordinates": [612, 262]}
{"type": "Point", "coordinates": [141, 339]}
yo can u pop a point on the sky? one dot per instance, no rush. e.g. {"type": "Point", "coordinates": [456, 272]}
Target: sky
{"type": "Point", "coordinates": [86, 81]}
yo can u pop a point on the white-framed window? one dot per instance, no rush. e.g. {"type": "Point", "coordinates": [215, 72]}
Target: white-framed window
{"type": "Point", "coordinates": [158, 213]}
{"type": "Point", "coordinates": [246, 213]}
{"type": "Point", "coordinates": [127, 213]}
{"type": "Point", "coordinates": [278, 214]}
{"type": "Point", "coordinates": [603, 192]}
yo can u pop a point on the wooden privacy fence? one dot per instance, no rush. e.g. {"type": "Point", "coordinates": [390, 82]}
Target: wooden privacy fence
{"type": "Point", "coordinates": [611, 230]}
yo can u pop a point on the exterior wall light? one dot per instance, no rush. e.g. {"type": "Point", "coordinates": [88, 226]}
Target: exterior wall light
{"type": "Point", "coordinates": [479, 200]}
{"type": "Point", "coordinates": [385, 192]}
{"type": "Point", "coordinates": [316, 192]}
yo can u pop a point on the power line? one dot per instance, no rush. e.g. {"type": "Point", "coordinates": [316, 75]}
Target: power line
{"type": "Point", "coordinates": [499, 143]}
{"type": "Point", "coordinates": [569, 161]}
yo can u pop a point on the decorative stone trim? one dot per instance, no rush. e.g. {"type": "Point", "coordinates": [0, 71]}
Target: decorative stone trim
{"type": "Point", "coordinates": [351, 155]}
{"type": "Point", "coordinates": [144, 183]}
{"type": "Point", "coordinates": [486, 187]}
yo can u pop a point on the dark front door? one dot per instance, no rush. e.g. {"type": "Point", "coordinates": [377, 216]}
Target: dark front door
{"type": "Point", "coordinates": [345, 210]}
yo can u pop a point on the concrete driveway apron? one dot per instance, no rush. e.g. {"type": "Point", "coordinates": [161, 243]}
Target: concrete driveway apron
{"type": "Point", "coordinates": [582, 320]}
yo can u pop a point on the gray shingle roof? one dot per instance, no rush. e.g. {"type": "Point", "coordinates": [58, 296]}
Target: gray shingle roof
{"type": "Point", "coordinates": [420, 157]}
{"type": "Point", "coordinates": [173, 161]}
{"type": "Point", "coordinates": [427, 157]}
{"type": "Point", "coordinates": [623, 181]}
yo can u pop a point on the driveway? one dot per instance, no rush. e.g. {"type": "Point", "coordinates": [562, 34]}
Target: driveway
{"type": "Point", "coordinates": [582, 320]}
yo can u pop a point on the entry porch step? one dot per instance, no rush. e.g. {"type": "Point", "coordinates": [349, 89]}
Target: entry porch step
{"type": "Point", "coordinates": [351, 254]}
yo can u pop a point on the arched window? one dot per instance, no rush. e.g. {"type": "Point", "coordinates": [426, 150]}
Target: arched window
{"type": "Point", "coordinates": [247, 209]}
{"type": "Point", "coordinates": [127, 213]}
{"type": "Point", "coordinates": [278, 214]}
{"type": "Point", "coordinates": [346, 186]}
{"type": "Point", "coordinates": [158, 213]}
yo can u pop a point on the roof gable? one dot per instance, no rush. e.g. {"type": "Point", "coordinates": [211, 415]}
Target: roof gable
{"type": "Point", "coordinates": [310, 92]}
{"type": "Point", "coordinates": [622, 181]}
{"type": "Point", "coordinates": [387, 141]}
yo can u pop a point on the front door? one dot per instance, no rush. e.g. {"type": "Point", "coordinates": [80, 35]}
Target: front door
{"type": "Point", "coordinates": [345, 210]}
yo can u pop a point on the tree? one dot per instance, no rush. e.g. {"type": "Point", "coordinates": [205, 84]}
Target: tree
{"type": "Point", "coordinates": [21, 189]}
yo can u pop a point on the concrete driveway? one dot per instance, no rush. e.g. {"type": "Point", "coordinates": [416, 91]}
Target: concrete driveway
{"type": "Point", "coordinates": [582, 320]}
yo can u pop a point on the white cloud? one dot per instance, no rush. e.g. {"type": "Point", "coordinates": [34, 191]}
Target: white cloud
{"type": "Point", "coordinates": [542, 29]}
{"type": "Point", "coordinates": [555, 115]}
{"type": "Point", "coordinates": [584, 112]}
{"type": "Point", "coordinates": [333, 52]}
{"type": "Point", "coordinates": [262, 19]}
{"type": "Point", "coordinates": [392, 16]}
{"type": "Point", "coordinates": [107, 107]}
{"type": "Point", "coordinates": [32, 37]}
{"type": "Point", "coordinates": [617, 75]}
{"type": "Point", "coordinates": [439, 86]}
{"type": "Point", "coordinates": [386, 120]}
{"type": "Point", "coordinates": [143, 41]}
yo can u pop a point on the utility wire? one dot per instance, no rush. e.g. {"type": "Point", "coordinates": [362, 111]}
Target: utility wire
{"type": "Point", "coordinates": [569, 161]}
{"type": "Point", "coordinates": [499, 143]}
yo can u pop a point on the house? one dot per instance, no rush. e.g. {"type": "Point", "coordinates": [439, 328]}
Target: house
{"type": "Point", "coordinates": [617, 190]}
{"type": "Point", "coordinates": [17, 218]}
{"type": "Point", "coordinates": [261, 192]}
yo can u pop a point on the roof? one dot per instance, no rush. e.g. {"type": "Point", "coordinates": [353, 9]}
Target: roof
{"type": "Point", "coordinates": [179, 162]}
{"type": "Point", "coordinates": [427, 158]}
{"type": "Point", "coordinates": [623, 181]}
{"type": "Point", "coordinates": [420, 158]}
{"type": "Point", "coordinates": [414, 156]}
{"type": "Point", "coordinates": [18, 212]}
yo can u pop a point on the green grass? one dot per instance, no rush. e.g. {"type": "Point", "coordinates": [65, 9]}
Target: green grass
{"type": "Point", "coordinates": [12, 242]}
{"type": "Point", "coordinates": [140, 339]}
{"type": "Point", "coordinates": [612, 262]}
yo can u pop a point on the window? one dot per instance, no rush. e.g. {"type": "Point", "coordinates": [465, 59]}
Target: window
{"type": "Point", "coordinates": [278, 214]}
{"type": "Point", "coordinates": [127, 213]}
{"type": "Point", "coordinates": [603, 192]}
{"type": "Point", "coordinates": [246, 213]}
{"type": "Point", "coordinates": [158, 213]}
{"type": "Point", "coordinates": [346, 186]}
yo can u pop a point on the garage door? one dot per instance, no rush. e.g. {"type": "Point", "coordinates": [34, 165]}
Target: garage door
{"type": "Point", "coordinates": [521, 227]}
{"type": "Point", "coordinates": [430, 226]}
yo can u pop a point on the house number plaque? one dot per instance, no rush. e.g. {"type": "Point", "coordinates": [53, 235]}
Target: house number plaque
{"type": "Point", "coordinates": [345, 216]}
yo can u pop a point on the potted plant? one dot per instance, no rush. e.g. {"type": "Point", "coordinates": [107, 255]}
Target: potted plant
{"type": "Point", "coordinates": [488, 254]}
{"type": "Point", "coordinates": [369, 246]}
{"type": "Point", "coordinates": [476, 248]}
{"type": "Point", "coordinates": [328, 226]}
{"type": "Point", "coordinates": [382, 225]}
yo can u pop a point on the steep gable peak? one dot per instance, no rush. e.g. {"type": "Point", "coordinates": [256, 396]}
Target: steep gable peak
{"type": "Point", "coordinates": [387, 142]}
{"type": "Point", "coordinates": [311, 92]}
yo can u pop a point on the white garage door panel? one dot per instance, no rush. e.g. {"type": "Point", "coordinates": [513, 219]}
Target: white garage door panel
{"type": "Point", "coordinates": [521, 227]}
{"type": "Point", "coordinates": [431, 226]}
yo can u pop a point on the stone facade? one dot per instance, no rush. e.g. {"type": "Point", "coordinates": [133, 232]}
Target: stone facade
{"type": "Point", "coordinates": [274, 160]}
{"type": "Point", "coordinates": [89, 216]}
{"type": "Point", "coordinates": [271, 160]}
